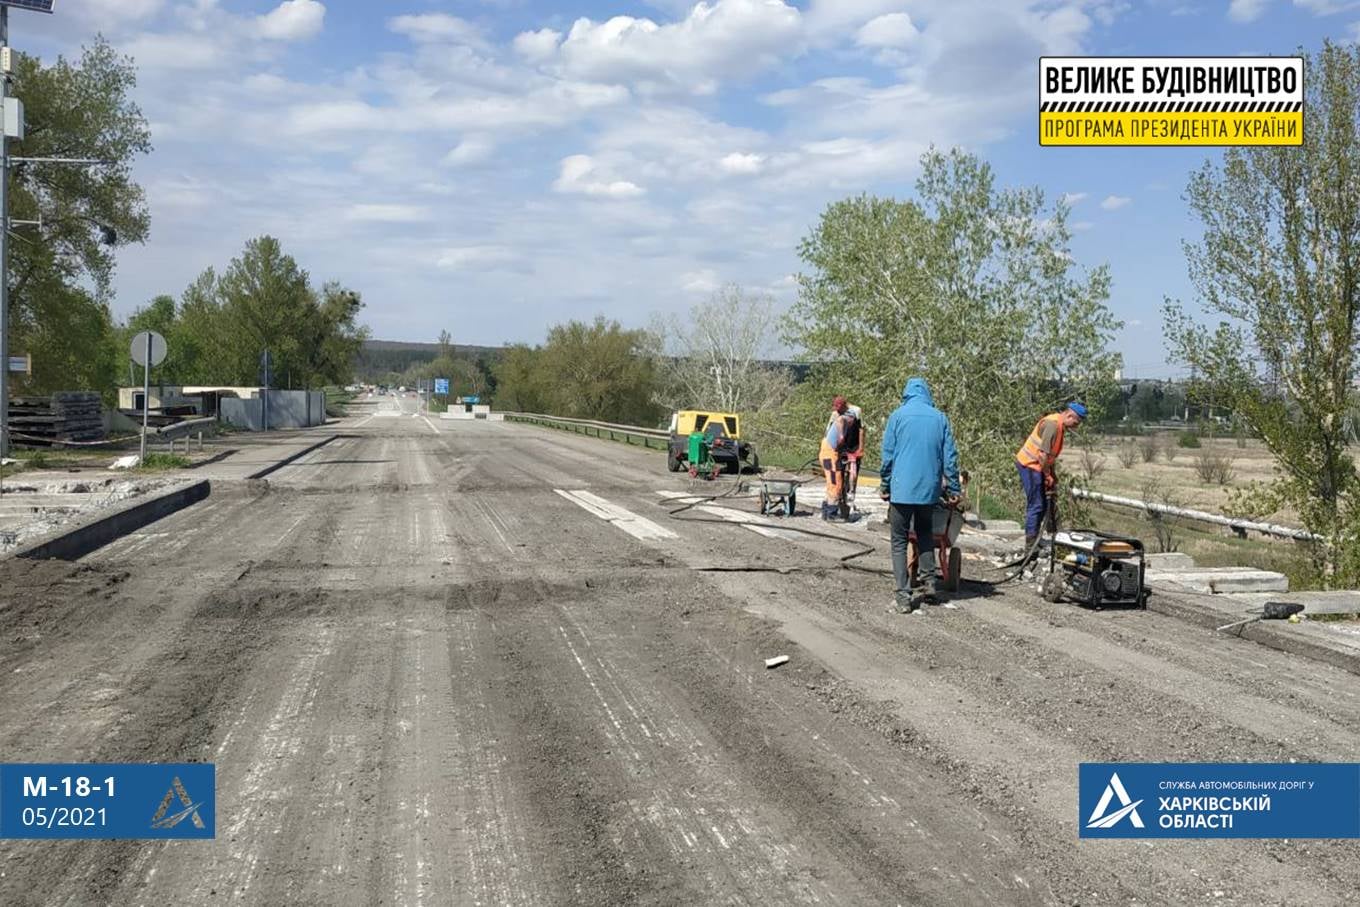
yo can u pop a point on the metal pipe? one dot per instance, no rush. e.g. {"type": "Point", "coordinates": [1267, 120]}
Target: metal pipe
{"type": "Point", "coordinates": [1241, 526]}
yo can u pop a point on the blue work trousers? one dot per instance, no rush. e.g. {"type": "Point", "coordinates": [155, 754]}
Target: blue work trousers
{"type": "Point", "coordinates": [1032, 480]}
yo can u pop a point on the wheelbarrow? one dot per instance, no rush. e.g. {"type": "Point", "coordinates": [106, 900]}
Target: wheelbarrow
{"type": "Point", "coordinates": [779, 496]}
{"type": "Point", "coordinates": [946, 525]}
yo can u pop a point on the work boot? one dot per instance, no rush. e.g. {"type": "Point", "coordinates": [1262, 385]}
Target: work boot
{"type": "Point", "coordinates": [1030, 540]}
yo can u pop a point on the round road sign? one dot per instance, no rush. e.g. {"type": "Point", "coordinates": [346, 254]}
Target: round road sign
{"type": "Point", "coordinates": [157, 348]}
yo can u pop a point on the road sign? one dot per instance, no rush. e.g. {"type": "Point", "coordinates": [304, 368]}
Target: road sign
{"type": "Point", "coordinates": [441, 386]}
{"type": "Point", "coordinates": [37, 6]}
{"type": "Point", "coordinates": [473, 399]}
{"type": "Point", "coordinates": [21, 365]}
{"type": "Point", "coordinates": [139, 348]}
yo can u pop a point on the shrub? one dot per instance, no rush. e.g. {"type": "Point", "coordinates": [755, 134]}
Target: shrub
{"type": "Point", "coordinates": [1149, 447]}
{"type": "Point", "coordinates": [1164, 527]}
{"type": "Point", "coordinates": [1127, 453]}
{"type": "Point", "coordinates": [1169, 450]}
{"type": "Point", "coordinates": [1092, 464]}
{"type": "Point", "coordinates": [1214, 468]}
{"type": "Point", "coordinates": [1189, 440]}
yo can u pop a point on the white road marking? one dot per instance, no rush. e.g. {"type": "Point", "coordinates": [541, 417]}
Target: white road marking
{"type": "Point", "coordinates": [427, 421]}
{"type": "Point", "coordinates": [636, 526]}
{"type": "Point", "coordinates": [370, 418]}
{"type": "Point", "coordinates": [734, 516]}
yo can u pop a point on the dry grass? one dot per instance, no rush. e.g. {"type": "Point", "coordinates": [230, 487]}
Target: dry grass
{"type": "Point", "coordinates": [1177, 475]}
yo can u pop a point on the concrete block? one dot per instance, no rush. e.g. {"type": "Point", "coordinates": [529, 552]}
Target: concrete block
{"type": "Point", "coordinates": [457, 415]}
{"type": "Point", "coordinates": [1220, 580]}
{"type": "Point", "coordinates": [1171, 560]}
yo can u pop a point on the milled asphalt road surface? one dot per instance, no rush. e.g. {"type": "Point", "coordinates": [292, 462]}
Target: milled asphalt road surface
{"type": "Point", "coordinates": [427, 673]}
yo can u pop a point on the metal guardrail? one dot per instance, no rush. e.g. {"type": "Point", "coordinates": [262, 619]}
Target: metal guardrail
{"type": "Point", "coordinates": [628, 434]}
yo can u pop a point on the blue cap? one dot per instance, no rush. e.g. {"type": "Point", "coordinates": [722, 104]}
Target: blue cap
{"type": "Point", "coordinates": [1077, 408]}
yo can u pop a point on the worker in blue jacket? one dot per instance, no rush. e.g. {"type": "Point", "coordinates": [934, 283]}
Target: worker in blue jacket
{"type": "Point", "coordinates": [919, 459]}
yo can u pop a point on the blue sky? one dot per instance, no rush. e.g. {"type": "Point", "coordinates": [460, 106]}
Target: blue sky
{"type": "Point", "coordinates": [496, 166]}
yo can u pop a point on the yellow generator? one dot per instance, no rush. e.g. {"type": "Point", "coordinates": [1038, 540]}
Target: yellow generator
{"type": "Point", "coordinates": [722, 434]}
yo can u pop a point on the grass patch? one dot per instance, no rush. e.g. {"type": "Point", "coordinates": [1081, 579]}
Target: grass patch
{"type": "Point", "coordinates": [161, 461]}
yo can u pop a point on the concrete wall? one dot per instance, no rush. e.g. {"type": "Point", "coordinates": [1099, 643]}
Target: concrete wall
{"type": "Point", "coordinates": [287, 409]}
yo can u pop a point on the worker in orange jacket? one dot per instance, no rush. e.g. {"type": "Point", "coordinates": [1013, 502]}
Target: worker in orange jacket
{"type": "Point", "coordinates": [1035, 462]}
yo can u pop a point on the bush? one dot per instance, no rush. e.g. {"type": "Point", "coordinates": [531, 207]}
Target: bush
{"type": "Point", "coordinates": [1149, 447]}
{"type": "Point", "coordinates": [1163, 526]}
{"type": "Point", "coordinates": [1092, 464]}
{"type": "Point", "coordinates": [1127, 453]}
{"type": "Point", "coordinates": [1189, 440]}
{"type": "Point", "coordinates": [1214, 468]}
{"type": "Point", "coordinates": [1169, 451]}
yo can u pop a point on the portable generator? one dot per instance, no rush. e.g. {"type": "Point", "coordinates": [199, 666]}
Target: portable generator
{"type": "Point", "coordinates": [1095, 570]}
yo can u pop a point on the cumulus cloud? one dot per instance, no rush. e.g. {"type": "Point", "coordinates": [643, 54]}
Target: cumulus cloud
{"type": "Point", "coordinates": [742, 163]}
{"type": "Point", "coordinates": [292, 20]}
{"type": "Point", "coordinates": [1115, 202]}
{"type": "Point", "coordinates": [895, 30]}
{"type": "Point", "coordinates": [1071, 198]}
{"type": "Point", "coordinates": [580, 175]}
{"type": "Point", "coordinates": [728, 38]}
{"type": "Point", "coordinates": [537, 46]}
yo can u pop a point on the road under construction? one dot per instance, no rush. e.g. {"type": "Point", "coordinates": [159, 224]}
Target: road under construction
{"type": "Point", "coordinates": [477, 663]}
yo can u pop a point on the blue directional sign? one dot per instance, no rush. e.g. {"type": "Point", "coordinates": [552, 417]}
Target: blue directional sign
{"type": "Point", "coordinates": [473, 399]}
{"type": "Point", "coordinates": [441, 386]}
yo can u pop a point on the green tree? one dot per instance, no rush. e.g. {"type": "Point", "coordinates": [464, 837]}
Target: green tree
{"type": "Point", "coordinates": [336, 336]}
{"type": "Point", "coordinates": [519, 387]}
{"type": "Point", "coordinates": [972, 287]}
{"type": "Point", "coordinates": [598, 371]}
{"type": "Point", "coordinates": [1279, 265]}
{"type": "Point", "coordinates": [268, 304]}
{"type": "Point", "coordinates": [60, 272]}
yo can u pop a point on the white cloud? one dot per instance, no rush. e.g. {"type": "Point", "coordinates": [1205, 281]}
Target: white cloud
{"type": "Point", "coordinates": [1115, 202]}
{"type": "Point", "coordinates": [481, 258]}
{"type": "Point", "coordinates": [475, 149]}
{"type": "Point", "coordinates": [292, 20]}
{"type": "Point", "coordinates": [894, 30]}
{"type": "Point", "coordinates": [742, 163]}
{"type": "Point", "coordinates": [177, 52]}
{"type": "Point", "coordinates": [1247, 10]}
{"type": "Point", "coordinates": [580, 175]}
{"type": "Point", "coordinates": [725, 39]}
{"type": "Point", "coordinates": [704, 280]}
{"type": "Point", "coordinates": [1071, 198]}
{"type": "Point", "coordinates": [436, 27]}
{"type": "Point", "coordinates": [537, 46]}
{"type": "Point", "coordinates": [387, 213]}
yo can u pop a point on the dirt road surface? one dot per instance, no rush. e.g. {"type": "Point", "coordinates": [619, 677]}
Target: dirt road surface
{"type": "Point", "coordinates": [472, 663]}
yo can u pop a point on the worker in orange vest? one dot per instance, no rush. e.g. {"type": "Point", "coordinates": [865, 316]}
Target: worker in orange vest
{"type": "Point", "coordinates": [1035, 461]}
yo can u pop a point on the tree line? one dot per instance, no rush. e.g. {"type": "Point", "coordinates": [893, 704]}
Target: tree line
{"type": "Point", "coordinates": [74, 218]}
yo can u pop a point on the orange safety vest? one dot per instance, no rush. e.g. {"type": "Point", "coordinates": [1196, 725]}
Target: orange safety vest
{"type": "Point", "coordinates": [1031, 455]}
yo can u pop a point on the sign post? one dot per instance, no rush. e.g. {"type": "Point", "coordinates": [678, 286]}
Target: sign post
{"type": "Point", "coordinates": [266, 376]}
{"type": "Point", "coordinates": [148, 349]}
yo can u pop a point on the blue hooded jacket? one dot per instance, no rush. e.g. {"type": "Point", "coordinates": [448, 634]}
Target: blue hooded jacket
{"type": "Point", "coordinates": [918, 449]}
